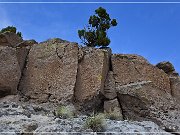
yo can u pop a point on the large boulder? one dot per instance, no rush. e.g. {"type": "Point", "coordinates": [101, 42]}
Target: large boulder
{"type": "Point", "coordinates": [9, 39]}
{"type": "Point", "coordinates": [174, 78]}
{"type": "Point", "coordinates": [92, 72]}
{"type": "Point", "coordinates": [9, 71]}
{"type": "Point", "coordinates": [22, 51]}
{"type": "Point", "coordinates": [133, 68]}
{"type": "Point", "coordinates": [50, 73]}
{"type": "Point", "coordinates": [166, 66]}
{"type": "Point", "coordinates": [175, 87]}
{"type": "Point", "coordinates": [144, 92]}
{"type": "Point", "coordinates": [144, 101]}
{"type": "Point", "coordinates": [109, 87]}
{"type": "Point", "coordinates": [113, 109]}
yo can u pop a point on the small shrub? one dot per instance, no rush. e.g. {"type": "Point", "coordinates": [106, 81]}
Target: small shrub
{"type": "Point", "coordinates": [96, 123]}
{"type": "Point", "coordinates": [11, 29]}
{"type": "Point", "coordinates": [64, 112]}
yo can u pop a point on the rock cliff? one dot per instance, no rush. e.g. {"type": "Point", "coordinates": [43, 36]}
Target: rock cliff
{"type": "Point", "coordinates": [58, 72]}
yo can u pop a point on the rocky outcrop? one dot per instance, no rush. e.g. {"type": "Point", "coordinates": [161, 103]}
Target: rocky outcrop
{"type": "Point", "coordinates": [174, 78]}
{"type": "Point", "coordinates": [9, 71]}
{"type": "Point", "coordinates": [92, 72]}
{"type": "Point", "coordinates": [166, 66]}
{"type": "Point", "coordinates": [113, 109]}
{"type": "Point", "coordinates": [175, 87]}
{"type": "Point", "coordinates": [133, 68]}
{"type": "Point", "coordinates": [144, 91]}
{"type": "Point", "coordinates": [144, 101]}
{"type": "Point", "coordinates": [93, 80]}
{"type": "Point", "coordinates": [109, 87]}
{"type": "Point", "coordinates": [50, 73]}
{"type": "Point", "coordinates": [9, 39]}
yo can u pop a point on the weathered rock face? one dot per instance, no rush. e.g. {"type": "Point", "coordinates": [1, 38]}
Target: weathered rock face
{"type": "Point", "coordinates": [144, 91]}
{"type": "Point", "coordinates": [92, 72]}
{"type": "Point", "coordinates": [26, 43]}
{"type": "Point", "coordinates": [22, 50]}
{"type": "Point", "coordinates": [112, 108]}
{"type": "Point", "coordinates": [109, 88]}
{"type": "Point", "coordinates": [144, 101]}
{"type": "Point", "coordinates": [9, 39]}
{"type": "Point", "coordinates": [175, 87]}
{"type": "Point", "coordinates": [9, 71]}
{"type": "Point", "coordinates": [166, 66]}
{"type": "Point", "coordinates": [174, 78]}
{"type": "Point", "coordinates": [132, 68]}
{"type": "Point", "coordinates": [50, 74]}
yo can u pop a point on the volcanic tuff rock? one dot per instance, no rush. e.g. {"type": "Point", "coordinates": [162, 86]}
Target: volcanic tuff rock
{"type": "Point", "coordinates": [9, 39]}
{"type": "Point", "coordinates": [133, 68]}
{"type": "Point", "coordinates": [166, 66]}
{"type": "Point", "coordinates": [144, 90]}
{"type": "Point", "coordinates": [9, 71]}
{"type": "Point", "coordinates": [50, 74]}
{"type": "Point", "coordinates": [109, 88]}
{"type": "Point", "coordinates": [59, 72]}
{"type": "Point", "coordinates": [113, 109]}
{"type": "Point", "coordinates": [92, 72]}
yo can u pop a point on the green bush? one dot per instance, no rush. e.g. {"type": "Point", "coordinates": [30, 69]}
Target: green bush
{"type": "Point", "coordinates": [64, 112]}
{"type": "Point", "coordinates": [96, 32]}
{"type": "Point", "coordinates": [11, 29]}
{"type": "Point", "coordinates": [96, 123]}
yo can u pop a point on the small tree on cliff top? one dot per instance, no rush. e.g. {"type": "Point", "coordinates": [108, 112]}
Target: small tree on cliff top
{"type": "Point", "coordinates": [11, 29]}
{"type": "Point", "coordinates": [96, 32]}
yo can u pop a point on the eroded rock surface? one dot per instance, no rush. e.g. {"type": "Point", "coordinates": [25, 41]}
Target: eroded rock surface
{"type": "Point", "coordinates": [144, 101]}
{"type": "Point", "coordinates": [166, 66]}
{"type": "Point", "coordinates": [9, 71]}
{"type": "Point", "coordinates": [92, 72]}
{"type": "Point", "coordinates": [9, 39]}
{"type": "Point", "coordinates": [110, 88]}
{"type": "Point", "coordinates": [113, 109]}
{"type": "Point", "coordinates": [51, 70]}
{"type": "Point", "coordinates": [133, 68]}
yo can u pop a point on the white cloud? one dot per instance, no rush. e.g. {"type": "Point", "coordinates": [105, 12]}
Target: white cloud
{"type": "Point", "coordinates": [4, 19]}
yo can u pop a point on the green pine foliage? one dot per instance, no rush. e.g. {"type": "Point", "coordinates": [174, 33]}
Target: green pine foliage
{"type": "Point", "coordinates": [11, 29]}
{"type": "Point", "coordinates": [96, 32]}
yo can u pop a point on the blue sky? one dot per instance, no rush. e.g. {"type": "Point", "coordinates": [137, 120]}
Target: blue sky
{"type": "Point", "coordinates": [150, 30]}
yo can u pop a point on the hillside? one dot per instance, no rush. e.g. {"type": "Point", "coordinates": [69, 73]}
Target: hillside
{"type": "Point", "coordinates": [36, 78]}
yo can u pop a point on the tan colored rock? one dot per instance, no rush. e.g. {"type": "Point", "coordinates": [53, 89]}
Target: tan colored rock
{"type": "Point", "coordinates": [22, 50]}
{"type": "Point", "coordinates": [92, 72]}
{"type": "Point", "coordinates": [113, 110]}
{"type": "Point", "coordinates": [144, 101]}
{"type": "Point", "coordinates": [9, 71]}
{"type": "Point", "coordinates": [175, 87]}
{"type": "Point", "coordinates": [166, 66]}
{"type": "Point", "coordinates": [109, 88]}
{"type": "Point", "coordinates": [51, 70]}
{"type": "Point", "coordinates": [9, 39]}
{"type": "Point", "coordinates": [26, 43]}
{"type": "Point", "coordinates": [133, 68]}
{"type": "Point", "coordinates": [21, 54]}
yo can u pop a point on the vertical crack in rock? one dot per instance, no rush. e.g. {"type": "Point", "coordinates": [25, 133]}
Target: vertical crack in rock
{"type": "Point", "coordinates": [80, 57]}
{"type": "Point", "coordinates": [111, 69]}
{"type": "Point", "coordinates": [22, 71]}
